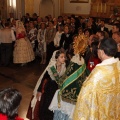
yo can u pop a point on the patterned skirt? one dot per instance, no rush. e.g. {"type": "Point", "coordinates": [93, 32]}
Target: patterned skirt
{"type": "Point", "coordinates": [23, 51]}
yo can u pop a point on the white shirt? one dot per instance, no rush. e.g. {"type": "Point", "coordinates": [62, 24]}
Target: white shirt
{"type": "Point", "coordinates": [108, 61]}
{"type": "Point", "coordinates": [57, 38]}
{"type": "Point", "coordinates": [7, 35]}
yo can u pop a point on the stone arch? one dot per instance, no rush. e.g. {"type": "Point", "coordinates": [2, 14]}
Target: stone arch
{"type": "Point", "coordinates": [47, 7]}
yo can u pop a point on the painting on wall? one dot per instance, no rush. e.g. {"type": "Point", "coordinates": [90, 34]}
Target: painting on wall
{"type": "Point", "coordinates": [79, 1]}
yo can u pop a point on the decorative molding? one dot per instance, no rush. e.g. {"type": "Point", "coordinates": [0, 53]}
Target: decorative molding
{"type": "Point", "coordinates": [79, 1]}
{"type": "Point", "coordinates": [83, 15]}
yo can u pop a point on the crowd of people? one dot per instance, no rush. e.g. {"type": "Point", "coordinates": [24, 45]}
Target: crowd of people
{"type": "Point", "coordinates": [82, 77]}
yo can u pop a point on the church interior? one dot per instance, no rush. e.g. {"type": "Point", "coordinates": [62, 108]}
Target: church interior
{"type": "Point", "coordinates": [24, 78]}
{"type": "Point", "coordinates": [84, 8]}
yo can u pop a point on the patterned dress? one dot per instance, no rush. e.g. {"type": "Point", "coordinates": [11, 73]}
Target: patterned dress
{"type": "Point", "coordinates": [23, 52]}
{"type": "Point", "coordinates": [47, 85]}
{"type": "Point", "coordinates": [41, 41]}
{"type": "Point", "coordinates": [65, 98]}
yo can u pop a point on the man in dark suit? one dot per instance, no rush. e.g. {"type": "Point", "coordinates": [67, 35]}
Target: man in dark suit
{"type": "Point", "coordinates": [27, 18]}
{"type": "Point", "coordinates": [102, 27]}
{"type": "Point", "coordinates": [115, 28]}
{"type": "Point", "coordinates": [11, 17]}
{"type": "Point", "coordinates": [116, 37]}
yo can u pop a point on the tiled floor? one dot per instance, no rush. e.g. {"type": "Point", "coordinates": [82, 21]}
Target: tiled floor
{"type": "Point", "coordinates": [24, 79]}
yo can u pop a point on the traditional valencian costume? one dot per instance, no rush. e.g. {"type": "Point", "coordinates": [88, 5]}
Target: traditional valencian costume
{"type": "Point", "coordinates": [64, 100]}
{"type": "Point", "coordinates": [23, 52]}
{"type": "Point", "coordinates": [47, 85]}
{"type": "Point", "coordinates": [92, 104]}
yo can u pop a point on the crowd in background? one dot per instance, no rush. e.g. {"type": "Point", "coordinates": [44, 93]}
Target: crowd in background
{"type": "Point", "coordinates": [61, 31]}
{"type": "Point", "coordinates": [22, 41]}
{"type": "Point", "coordinates": [49, 34]}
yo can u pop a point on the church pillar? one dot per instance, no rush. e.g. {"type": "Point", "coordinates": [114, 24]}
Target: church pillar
{"type": "Point", "coordinates": [61, 7]}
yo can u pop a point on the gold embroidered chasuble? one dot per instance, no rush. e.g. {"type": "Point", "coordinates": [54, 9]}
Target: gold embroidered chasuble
{"type": "Point", "coordinates": [99, 98]}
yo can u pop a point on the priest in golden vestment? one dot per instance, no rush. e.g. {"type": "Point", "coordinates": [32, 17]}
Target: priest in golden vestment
{"type": "Point", "coordinates": [99, 98]}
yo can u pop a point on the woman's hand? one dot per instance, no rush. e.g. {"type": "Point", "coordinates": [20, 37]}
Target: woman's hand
{"type": "Point", "coordinates": [38, 96]}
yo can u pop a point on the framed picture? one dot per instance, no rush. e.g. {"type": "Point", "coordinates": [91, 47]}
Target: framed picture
{"type": "Point", "coordinates": [79, 1]}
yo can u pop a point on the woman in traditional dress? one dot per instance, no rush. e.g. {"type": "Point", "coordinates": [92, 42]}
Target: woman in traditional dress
{"type": "Point", "coordinates": [23, 52]}
{"type": "Point", "coordinates": [46, 87]}
{"type": "Point", "coordinates": [64, 100]}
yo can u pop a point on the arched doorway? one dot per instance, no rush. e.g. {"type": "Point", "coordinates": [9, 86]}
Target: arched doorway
{"type": "Point", "coordinates": [46, 8]}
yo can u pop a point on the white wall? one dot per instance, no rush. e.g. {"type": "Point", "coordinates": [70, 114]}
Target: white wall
{"type": "Point", "coordinates": [76, 8]}
{"type": "Point", "coordinates": [36, 6]}
{"type": "Point", "coordinates": [46, 9]}
{"type": "Point", "coordinates": [72, 8]}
